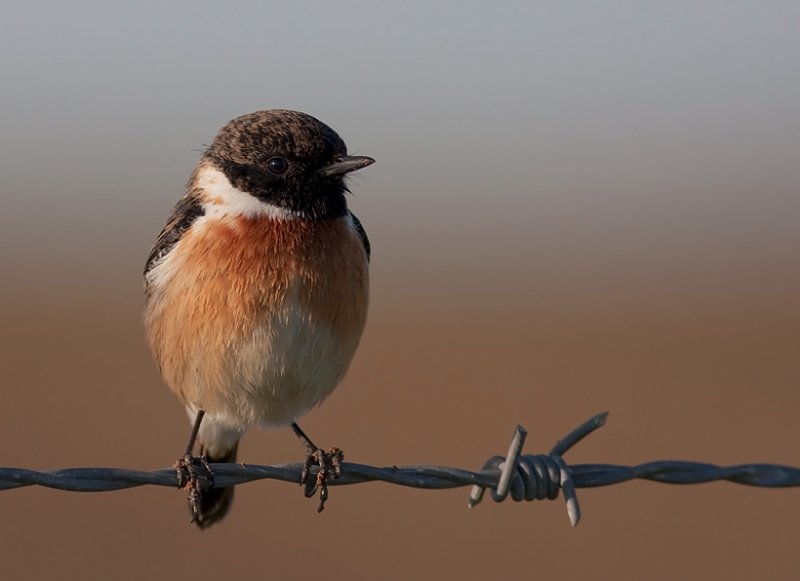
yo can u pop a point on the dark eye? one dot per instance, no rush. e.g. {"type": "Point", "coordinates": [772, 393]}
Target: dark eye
{"type": "Point", "coordinates": [277, 165]}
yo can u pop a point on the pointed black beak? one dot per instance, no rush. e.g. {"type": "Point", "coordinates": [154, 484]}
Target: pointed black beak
{"type": "Point", "coordinates": [345, 164]}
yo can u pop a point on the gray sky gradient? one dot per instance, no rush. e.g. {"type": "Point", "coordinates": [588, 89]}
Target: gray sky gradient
{"type": "Point", "coordinates": [552, 144]}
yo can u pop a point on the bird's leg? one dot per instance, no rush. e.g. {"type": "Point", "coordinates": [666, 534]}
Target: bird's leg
{"type": "Point", "coordinates": [330, 466]}
{"type": "Point", "coordinates": [188, 476]}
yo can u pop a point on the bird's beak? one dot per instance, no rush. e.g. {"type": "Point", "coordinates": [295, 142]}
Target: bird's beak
{"type": "Point", "coordinates": [345, 164]}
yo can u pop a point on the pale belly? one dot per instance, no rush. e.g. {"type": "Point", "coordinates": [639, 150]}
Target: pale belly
{"type": "Point", "coordinates": [282, 369]}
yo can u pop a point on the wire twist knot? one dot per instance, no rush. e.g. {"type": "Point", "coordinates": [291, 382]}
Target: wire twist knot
{"type": "Point", "coordinates": [537, 476]}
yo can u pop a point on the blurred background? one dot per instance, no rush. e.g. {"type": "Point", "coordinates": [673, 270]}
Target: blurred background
{"type": "Point", "coordinates": [576, 207]}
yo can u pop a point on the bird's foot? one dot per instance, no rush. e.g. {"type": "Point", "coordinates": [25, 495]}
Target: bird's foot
{"type": "Point", "coordinates": [330, 467]}
{"type": "Point", "coordinates": [194, 475]}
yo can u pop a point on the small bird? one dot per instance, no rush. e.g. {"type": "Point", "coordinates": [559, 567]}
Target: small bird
{"type": "Point", "coordinates": [257, 291]}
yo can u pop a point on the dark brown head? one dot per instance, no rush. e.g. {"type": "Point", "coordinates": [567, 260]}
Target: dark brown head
{"type": "Point", "coordinates": [287, 159]}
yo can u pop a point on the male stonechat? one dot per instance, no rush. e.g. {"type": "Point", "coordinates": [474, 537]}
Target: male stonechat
{"type": "Point", "coordinates": [257, 290]}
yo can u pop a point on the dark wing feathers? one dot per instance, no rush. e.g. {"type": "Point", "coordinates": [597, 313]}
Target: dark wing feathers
{"type": "Point", "coordinates": [362, 234]}
{"type": "Point", "coordinates": [182, 216]}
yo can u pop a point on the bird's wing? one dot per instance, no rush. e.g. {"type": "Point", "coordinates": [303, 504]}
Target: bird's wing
{"type": "Point", "coordinates": [185, 212]}
{"type": "Point", "coordinates": [361, 233]}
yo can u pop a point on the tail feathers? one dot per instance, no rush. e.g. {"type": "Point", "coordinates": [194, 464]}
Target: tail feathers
{"type": "Point", "coordinates": [216, 502]}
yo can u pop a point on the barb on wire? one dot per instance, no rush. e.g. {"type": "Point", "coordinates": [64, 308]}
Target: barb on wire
{"type": "Point", "coordinates": [522, 476]}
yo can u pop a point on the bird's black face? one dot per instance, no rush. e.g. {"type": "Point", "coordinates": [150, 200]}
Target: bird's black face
{"type": "Point", "coordinates": [287, 159]}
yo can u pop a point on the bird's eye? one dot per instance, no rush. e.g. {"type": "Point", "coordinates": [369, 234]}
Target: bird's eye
{"type": "Point", "coordinates": [277, 165]}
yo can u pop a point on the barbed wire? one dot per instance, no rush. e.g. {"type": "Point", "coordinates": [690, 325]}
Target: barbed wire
{"type": "Point", "coordinates": [522, 476]}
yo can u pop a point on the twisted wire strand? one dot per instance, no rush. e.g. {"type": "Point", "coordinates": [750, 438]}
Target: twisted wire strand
{"type": "Point", "coordinates": [520, 476]}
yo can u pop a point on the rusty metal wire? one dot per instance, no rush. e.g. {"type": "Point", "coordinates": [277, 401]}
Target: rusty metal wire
{"type": "Point", "coordinates": [522, 476]}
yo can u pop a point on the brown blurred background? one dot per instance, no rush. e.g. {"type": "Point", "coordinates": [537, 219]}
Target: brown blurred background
{"type": "Point", "coordinates": [575, 208]}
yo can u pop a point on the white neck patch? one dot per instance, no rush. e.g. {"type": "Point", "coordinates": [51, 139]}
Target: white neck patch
{"type": "Point", "coordinates": [220, 199]}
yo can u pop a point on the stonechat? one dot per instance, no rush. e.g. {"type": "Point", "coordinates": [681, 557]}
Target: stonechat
{"type": "Point", "coordinates": [257, 290]}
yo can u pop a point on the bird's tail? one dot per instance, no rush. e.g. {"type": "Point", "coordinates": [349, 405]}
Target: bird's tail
{"type": "Point", "coordinates": [216, 502]}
